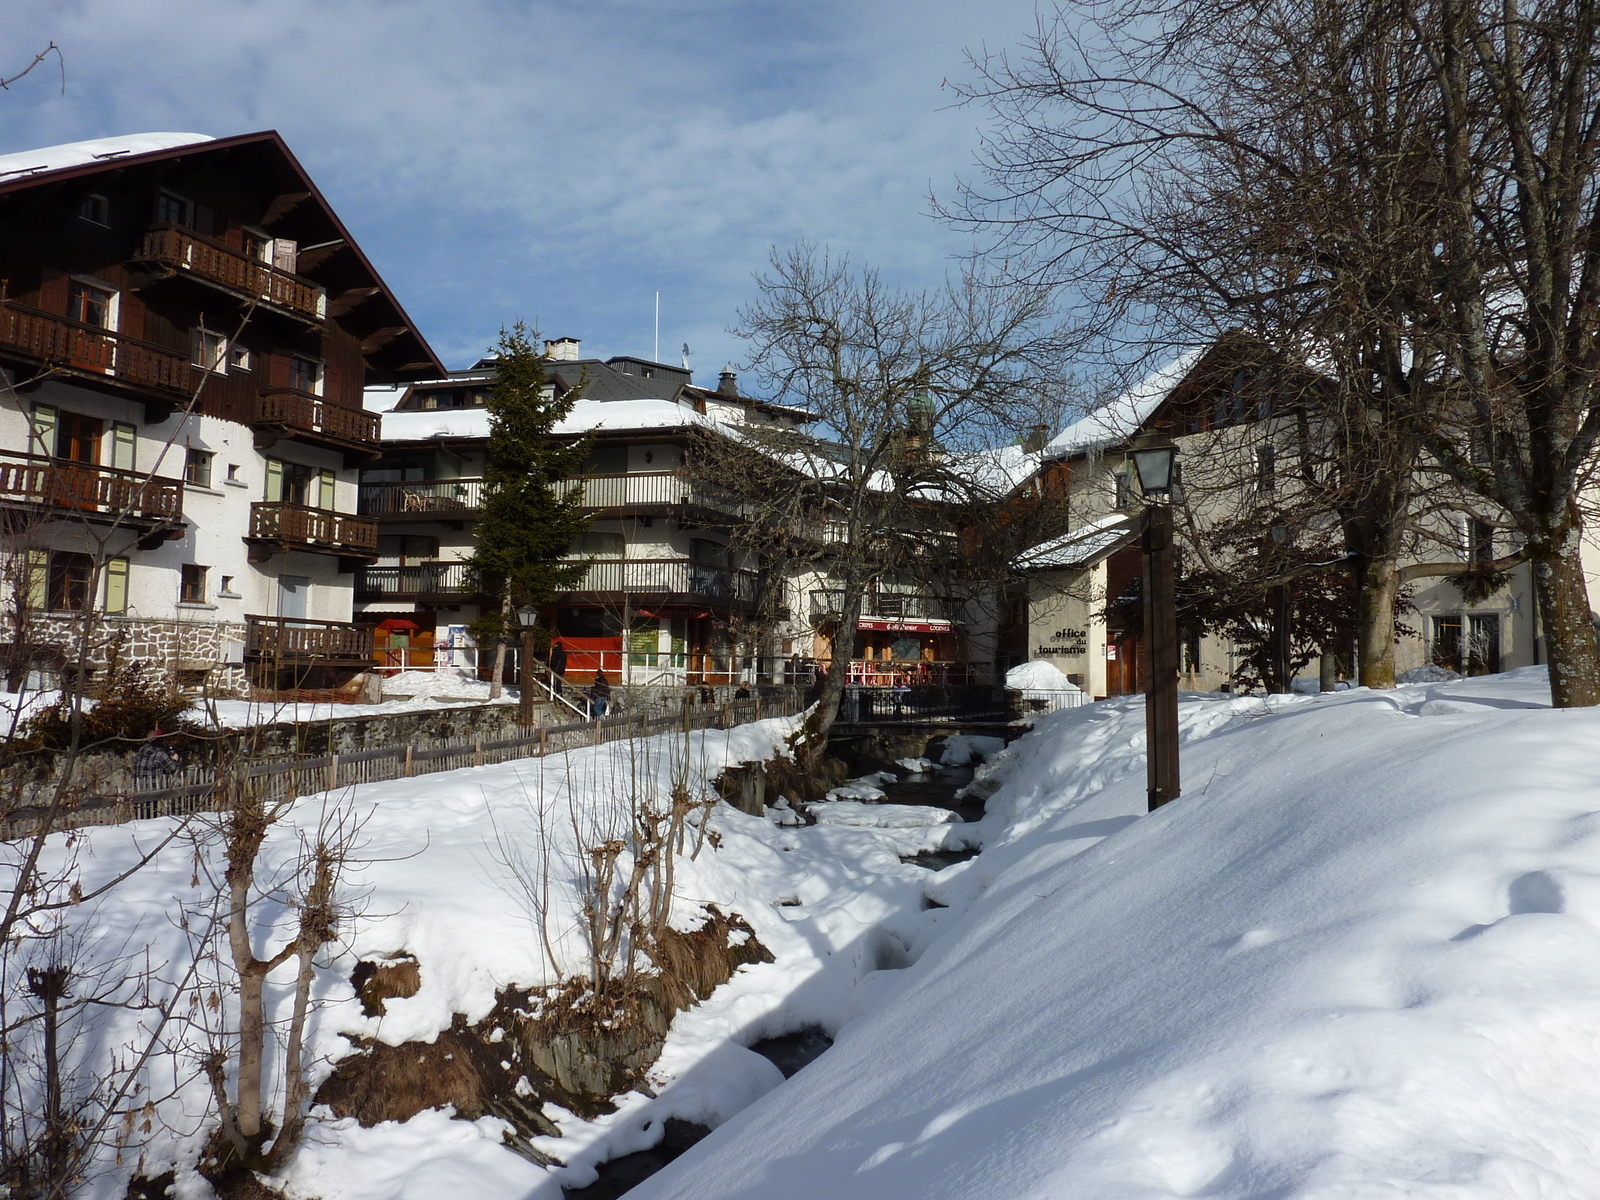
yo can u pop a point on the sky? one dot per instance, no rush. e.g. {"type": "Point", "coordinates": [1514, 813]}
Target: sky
{"type": "Point", "coordinates": [557, 162]}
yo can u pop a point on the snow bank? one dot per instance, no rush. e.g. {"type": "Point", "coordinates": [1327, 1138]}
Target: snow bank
{"type": "Point", "coordinates": [961, 748]}
{"type": "Point", "coordinates": [1359, 957]}
{"type": "Point", "coordinates": [1039, 680]}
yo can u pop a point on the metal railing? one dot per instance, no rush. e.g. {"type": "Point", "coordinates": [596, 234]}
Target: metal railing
{"type": "Point", "coordinates": [670, 576]}
{"type": "Point", "coordinates": [279, 521]}
{"type": "Point", "coordinates": [421, 498]}
{"type": "Point", "coordinates": [418, 579]}
{"type": "Point", "coordinates": [913, 702]}
{"type": "Point", "coordinates": [55, 339]}
{"type": "Point", "coordinates": [87, 488]}
{"type": "Point", "coordinates": [648, 489]}
{"type": "Point", "coordinates": [185, 250]}
{"type": "Point", "coordinates": [309, 413]}
{"type": "Point", "coordinates": [888, 673]}
{"type": "Point", "coordinates": [880, 606]}
{"type": "Point", "coordinates": [298, 640]}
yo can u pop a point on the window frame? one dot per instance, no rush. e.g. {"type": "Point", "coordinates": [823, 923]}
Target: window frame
{"type": "Point", "coordinates": [203, 341]}
{"type": "Point", "coordinates": [194, 458]}
{"type": "Point", "coordinates": [192, 583]}
{"type": "Point", "coordinates": [103, 208]}
{"type": "Point", "coordinates": [185, 207]}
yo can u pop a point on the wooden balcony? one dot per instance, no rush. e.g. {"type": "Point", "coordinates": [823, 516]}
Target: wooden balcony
{"type": "Point", "coordinates": [89, 352]}
{"type": "Point", "coordinates": [652, 493]}
{"type": "Point", "coordinates": [300, 416]}
{"type": "Point", "coordinates": [662, 581]}
{"type": "Point", "coordinates": [63, 488]}
{"type": "Point", "coordinates": [421, 499]}
{"type": "Point", "coordinates": [247, 278]}
{"type": "Point", "coordinates": [295, 641]}
{"type": "Point", "coordinates": [277, 526]}
{"type": "Point", "coordinates": [427, 583]}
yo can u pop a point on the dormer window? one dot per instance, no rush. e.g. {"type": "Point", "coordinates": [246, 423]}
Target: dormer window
{"type": "Point", "coordinates": [95, 209]}
{"type": "Point", "coordinates": [172, 209]}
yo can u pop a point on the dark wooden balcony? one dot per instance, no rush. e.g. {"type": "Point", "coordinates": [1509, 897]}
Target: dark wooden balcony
{"type": "Point", "coordinates": [105, 495]}
{"type": "Point", "coordinates": [663, 581]}
{"type": "Point", "coordinates": [426, 583]}
{"type": "Point", "coordinates": [246, 278]}
{"type": "Point", "coordinates": [300, 416]}
{"type": "Point", "coordinates": [276, 526]}
{"type": "Point", "coordinates": [653, 493]}
{"type": "Point", "coordinates": [295, 641]}
{"type": "Point", "coordinates": [88, 352]}
{"type": "Point", "coordinates": [421, 499]}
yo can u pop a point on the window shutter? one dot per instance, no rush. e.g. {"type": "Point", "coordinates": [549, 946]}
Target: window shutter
{"type": "Point", "coordinates": [130, 315]}
{"type": "Point", "coordinates": [38, 580]}
{"type": "Point", "coordinates": [278, 371]}
{"type": "Point", "coordinates": [274, 479]}
{"type": "Point", "coordinates": [117, 585]}
{"type": "Point", "coordinates": [123, 446]}
{"type": "Point", "coordinates": [285, 254]}
{"type": "Point", "coordinates": [53, 291]}
{"type": "Point", "coordinates": [42, 433]}
{"type": "Point", "coordinates": [325, 491]}
{"type": "Point", "coordinates": [203, 220]}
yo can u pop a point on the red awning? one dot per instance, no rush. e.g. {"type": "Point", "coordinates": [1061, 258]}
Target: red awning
{"type": "Point", "coordinates": [398, 623]}
{"type": "Point", "coordinates": [933, 626]}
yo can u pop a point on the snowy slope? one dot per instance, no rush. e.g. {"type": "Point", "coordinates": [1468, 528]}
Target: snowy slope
{"type": "Point", "coordinates": [1358, 958]}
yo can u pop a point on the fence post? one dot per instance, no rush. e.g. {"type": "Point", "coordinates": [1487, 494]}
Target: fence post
{"type": "Point", "coordinates": [541, 741]}
{"type": "Point", "coordinates": [477, 752]}
{"type": "Point", "coordinates": [408, 760]}
{"type": "Point", "coordinates": [333, 771]}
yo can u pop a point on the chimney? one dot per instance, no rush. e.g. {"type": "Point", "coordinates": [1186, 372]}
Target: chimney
{"type": "Point", "coordinates": [562, 349]}
{"type": "Point", "coordinates": [728, 382]}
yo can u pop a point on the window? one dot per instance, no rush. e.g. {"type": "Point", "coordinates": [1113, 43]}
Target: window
{"type": "Point", "coordinates": [598, 545]}
{"type": "Point", "coordinates": [91, 304]}
{"type": "Point", "coordinates": [233, 473]}
{"type": "Point", "coordinates": [197, 467]}
{"type": "Point", "coordinates": [1447, 643]}
{"type": "Point", "coordinates": [238, 358]}
{"type": "Point", "coordinates": [124, 446]}
{"type": "Point", "coordinates": [192, 586]}
{"type": "Point", "coordinates": [67, 584]}
{"type": "Point", "coordinates": [117, 585]}
{"type": "Point", "coordinates": [172, 209]}
{"type": "Point", "coordinates": [291, 483]}
{"type": "Point", "coordinates": [42, 430]}
{"type": "Point", "coordinates": [1483, 645]}
{"type": "Point", "coordinates": [210, 351]}
{"type": "Point", "coordinates": [1266, 470]}
{"type": "Point", "coordinates": [1480, 447]}
{"type": "Point", "coordinates": [95, 209]}
{"type": "Point", "coordinates": [1480, 543]}
{"type": "Point", "coordinates": [588, 623]}
{"type": "Point", "coordinates": [607, 460]}
{"type": "Point", "coordinates": [712, 554]}
{"type": "Point", "coordinates": [405, 549]}
{"type": "Point", "coordinates": [305, 375]}
{"type": "Point", "coordinates": [78, 437]}
{"type": "Point", "coordinates": [226, 587]}
{"type": "Point", "coordinates": [1124, 488]}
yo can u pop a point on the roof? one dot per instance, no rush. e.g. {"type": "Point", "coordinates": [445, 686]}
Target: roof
{"type": "Point", "coordinates": [587, 416]}
{"type": "Point", "coordinates": [1082, 547]}
{"type": "Point", "coordinates": [1000, 469]}
{"type": "Point", "coordinates": [27, 163]}
{"type": "Point", "coordinates": [1118, 420]}
{"type": "Point", "coordinates": [404, 354]}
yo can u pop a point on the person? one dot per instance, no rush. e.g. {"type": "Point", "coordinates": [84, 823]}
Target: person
{"type": "Point", "coordinates": [743, 693]}
{"type": "Point", "coordinates": [155, 760]}
{"type": "Point", "coordinates": [707, 696]}
{"type": "Point", "coordinates": [902, 689]}
{"type": "Point", "coordinates": [558, 665]}
{"type": "Point", "coordinates": [599, 695]}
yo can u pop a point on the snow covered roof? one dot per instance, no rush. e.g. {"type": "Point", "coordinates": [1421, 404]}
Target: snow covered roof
{"type": "Point", "coordinates": [1120, 419]}
{"type": "Point", "coordinates": [612, 416]}
{"type": "Point", "coordinates": [78, 154]}
{"type": "Point", "coordinates": [1000, 469]}
{"type": "Point", "coordinates": [1082, 546]}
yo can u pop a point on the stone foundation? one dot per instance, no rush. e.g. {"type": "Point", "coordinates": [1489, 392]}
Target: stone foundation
{"type": "Point", "coordinates": [195, 652]}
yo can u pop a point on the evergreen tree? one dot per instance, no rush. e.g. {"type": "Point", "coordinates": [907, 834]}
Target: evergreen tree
{"type": "Point", "coordinates": [524, 528]}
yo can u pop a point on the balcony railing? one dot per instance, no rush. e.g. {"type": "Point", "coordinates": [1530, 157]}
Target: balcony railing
{"type": "Point", "coordinates": [307, 414]}
{"type": "Point", "coordinates": [651, 489]}
{"type": "Point", "coordinates": [296, 640]}
{"type": "Point", "coordinates": [422, 498]}
{"type": "Point", "coordinates": [884, 606]}
{"type": "Point", "coordinates": [55, 339]}
{"type": "Point", "coordinates": [418, 579]}
{"type": "Point", "coordinates": [106, 492]}
{"type": "Point", "coordinates": [186, 251]}
{"type": "Point", "coordinates": [670, 576]}
{"type": "Point", "coordinates": [312, 528]}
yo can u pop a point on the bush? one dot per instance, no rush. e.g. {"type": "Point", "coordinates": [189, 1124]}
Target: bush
{"type": "Point", "coordinates": [131, 701]}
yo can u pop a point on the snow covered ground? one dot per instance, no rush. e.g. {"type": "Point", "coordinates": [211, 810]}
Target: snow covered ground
{"type": "Point", "coordinates": [1359, 957]}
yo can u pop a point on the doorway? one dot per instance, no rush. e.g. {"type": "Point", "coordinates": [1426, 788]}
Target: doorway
{"type": "Point", "coordinates": [292, 592]}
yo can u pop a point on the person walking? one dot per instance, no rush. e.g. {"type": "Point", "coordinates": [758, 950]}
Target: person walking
{"type": "Point", "coordinates": [599, 695]}
{"type": "Point", "coordinates": [154, 762]}
{"type": "Point", "coordinates": [558, 665]}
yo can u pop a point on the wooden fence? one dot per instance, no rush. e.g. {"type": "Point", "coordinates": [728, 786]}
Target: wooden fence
{"type": "Point", "coordinates": [281, 777]}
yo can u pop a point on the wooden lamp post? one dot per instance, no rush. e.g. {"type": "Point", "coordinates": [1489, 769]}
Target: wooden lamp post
{"type": "Point", "coordinates": [1153, 455]}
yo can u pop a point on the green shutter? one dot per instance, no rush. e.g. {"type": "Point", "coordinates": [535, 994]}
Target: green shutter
{"type": "Point", "coordinates": [117, 585]}
{"type": "Point", "coordinates": [38, 597]}
{"type": "Point", "coordinates": [325, 492]}
{"type": "Point", "coordinates": [274, 479]}
{"type": "Point", "coordinates": [122, 446]}
{"type": "Point", "coordinates": [42, 433]}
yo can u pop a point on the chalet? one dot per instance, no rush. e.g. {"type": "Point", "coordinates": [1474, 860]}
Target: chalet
{"type": "Point", "coordinates": [186, 330]}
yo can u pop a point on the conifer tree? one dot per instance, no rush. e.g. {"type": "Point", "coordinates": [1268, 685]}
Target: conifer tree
{"type": "Point", "coordinates": [524, 528]}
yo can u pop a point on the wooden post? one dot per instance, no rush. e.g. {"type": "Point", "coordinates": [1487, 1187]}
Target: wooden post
{"type": "Point", "coordinates": [333, 771]}
{"type": "Point", "coordinates": [408, 760]}
{"type": "Point", "coordinates": [541, 741]}
{"type": "Point", "coordinates": [1161, 658]}
{"type": "Point", "coordinates": [525, 677]}
{"type": "Point", "coordinates": [477, 752]}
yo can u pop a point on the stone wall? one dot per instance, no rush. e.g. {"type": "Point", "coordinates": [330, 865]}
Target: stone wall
{"type": "Point", "coordinates": [182, 647]}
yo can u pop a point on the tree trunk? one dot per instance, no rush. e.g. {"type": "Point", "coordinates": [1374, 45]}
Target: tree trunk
{"type": "Point", "coordinates": [812, 745]}
{"type": "Point", "coordinates": [499, 672]}
{"type": "Point", "coordinates": [1375, 622]}
{"type": "Point", "coordinates": [1569, 633]}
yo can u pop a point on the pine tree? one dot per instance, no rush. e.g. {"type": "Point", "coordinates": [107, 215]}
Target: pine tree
{"type": "Point", "coordinates": [524, 528]}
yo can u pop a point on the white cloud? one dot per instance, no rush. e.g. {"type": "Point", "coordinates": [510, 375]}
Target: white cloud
{"type": "Point", "coordinates": [559, 160]}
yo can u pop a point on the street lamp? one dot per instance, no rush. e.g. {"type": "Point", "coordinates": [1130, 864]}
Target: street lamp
{"type": "Point", "coordinates": [527, 617]}
{"type": "Point", "coordinates": [1152, 456]}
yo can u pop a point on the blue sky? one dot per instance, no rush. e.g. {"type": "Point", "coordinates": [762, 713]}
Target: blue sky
{"type": "Point", "coordinates": [554, 161]}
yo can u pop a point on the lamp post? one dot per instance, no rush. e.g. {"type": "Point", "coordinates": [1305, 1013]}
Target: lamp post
{"type": "Point", "coordinates": [527, 617]}
{"type": "Point", "coordinates": [1153, 455]}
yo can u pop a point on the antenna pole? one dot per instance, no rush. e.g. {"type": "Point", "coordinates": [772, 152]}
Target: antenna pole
{"type": "Point", "coordinates": [656, 357]}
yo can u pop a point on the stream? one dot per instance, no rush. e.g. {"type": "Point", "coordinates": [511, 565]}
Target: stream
{"type": "Point", "coordinates": [792, 1052]}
